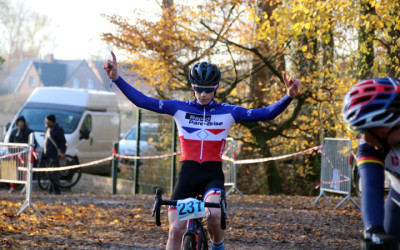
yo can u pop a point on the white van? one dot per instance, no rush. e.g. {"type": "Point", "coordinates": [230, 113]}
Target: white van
{"type": "Point", "coordinates": [90, 119]}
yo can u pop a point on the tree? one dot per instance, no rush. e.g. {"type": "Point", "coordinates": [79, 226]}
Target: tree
{"type": "Point", "coordinates": [314, 40]}
{"type": "Point", "coordinates": [24, 32]}
{"type": "Point", "coordinates": [366, 38]}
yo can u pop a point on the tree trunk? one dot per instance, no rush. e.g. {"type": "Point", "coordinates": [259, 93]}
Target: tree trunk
{"type": "Point", "coordinates": [365, 39]}
{"type": "Point", "coordinates": [259, 81]}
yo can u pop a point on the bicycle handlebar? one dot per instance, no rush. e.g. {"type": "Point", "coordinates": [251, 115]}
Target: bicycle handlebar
{"type": "Point", "coordinates": [159, 201]}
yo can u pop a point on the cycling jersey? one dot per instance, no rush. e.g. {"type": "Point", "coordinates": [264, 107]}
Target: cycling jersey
{"type": "Point", "coordinates": [202, 128]}
{"type": "Point", "coordinates": [390, 161]}
{"type": "Point", "coordinates": [371, 165]}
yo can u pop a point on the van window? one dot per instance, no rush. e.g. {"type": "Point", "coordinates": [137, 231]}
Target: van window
{"type": "Point", "coordinates": [87, 123]}
{"type": "Point", "coordinates": [68, 120]}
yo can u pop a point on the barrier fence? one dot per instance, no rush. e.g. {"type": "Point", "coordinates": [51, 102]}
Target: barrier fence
{"type": "Point", "coordinates": [16, 166]}
{"type": "Point", "coordinates": [12, 157]}
{"type": "Point", "coordinates": [336, 169]}
{"type": "Point", "coordinates": [229, 166]}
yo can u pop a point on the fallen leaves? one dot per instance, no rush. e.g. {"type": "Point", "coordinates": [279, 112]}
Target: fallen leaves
{"type": "Point", "coordinates": [125, 222]}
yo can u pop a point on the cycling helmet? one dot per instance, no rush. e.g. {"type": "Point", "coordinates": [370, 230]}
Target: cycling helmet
{"type": "Point", "coordinates": [204, 73]}
{"type": "Point", "coordinates": [372, 103]}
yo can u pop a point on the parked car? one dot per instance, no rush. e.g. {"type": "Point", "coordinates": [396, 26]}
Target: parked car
{"type": "Point", "coordinates": [90, 119]}
{"type": "Point", "coordinates": [148, 137]}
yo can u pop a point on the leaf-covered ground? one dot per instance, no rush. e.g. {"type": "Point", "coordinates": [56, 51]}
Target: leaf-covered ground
{"type": "Point", "coordinates": [124, 222]}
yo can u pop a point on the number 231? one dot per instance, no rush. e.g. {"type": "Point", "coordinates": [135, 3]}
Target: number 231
{"type": "Point", "coordinates": [188, 208]}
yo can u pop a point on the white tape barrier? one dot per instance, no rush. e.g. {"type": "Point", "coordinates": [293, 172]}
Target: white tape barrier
{"type": "Point", "coordinates": [132, 157]}
{"type": "Point", "coordinates": [164, 156]}
{"type": "Point", "coordinates": [271, 158]}
{"type": "Point", "coordinates": [68, 167]}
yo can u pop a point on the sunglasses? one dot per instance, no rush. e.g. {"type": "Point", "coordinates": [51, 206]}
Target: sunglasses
{"type": "Point", "coordinates": [204, 89]}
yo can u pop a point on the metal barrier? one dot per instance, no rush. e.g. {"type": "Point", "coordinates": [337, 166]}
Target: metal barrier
{"type": "Point", "coordinates": [16, 166]}
{"type": "Point", "coordinates": [229, 166]}
{"type": "Point", "coordinates": [12, 157]}
{"type": "Point", "coordinates": [336, 169]}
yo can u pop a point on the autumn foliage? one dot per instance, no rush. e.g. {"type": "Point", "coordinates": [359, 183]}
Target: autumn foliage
{"type": "Point", "coordinates": [87, 221]}
{"type": "Point", "coordinates": [328, 45]}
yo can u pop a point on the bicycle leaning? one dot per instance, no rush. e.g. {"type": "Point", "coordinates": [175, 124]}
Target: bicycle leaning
{"type": "Point", "coordinates": [192, 210]}
{"type": "Point", "coordinates": [68, 178]}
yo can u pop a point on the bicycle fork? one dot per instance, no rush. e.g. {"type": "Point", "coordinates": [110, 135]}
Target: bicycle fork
{"type": "Point", "coordinates": [196, 231]}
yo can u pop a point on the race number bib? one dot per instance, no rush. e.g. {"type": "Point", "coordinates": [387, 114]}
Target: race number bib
{"type": "Point", "coordinates": [190, 209]}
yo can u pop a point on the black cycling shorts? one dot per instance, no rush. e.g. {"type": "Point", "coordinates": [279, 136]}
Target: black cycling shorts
{"type": "Point", "coordinates": [197, 178]}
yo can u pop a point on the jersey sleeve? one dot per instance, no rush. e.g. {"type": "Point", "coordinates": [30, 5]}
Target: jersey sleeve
{"type": "Point", "coordinates": [370, 164]}
{"type": "Point", "coordinates": [368, 154]}
{"type": "Point", "coordinates": [261, 114]}
{"type": "Point", "coordinates": [146, 102]}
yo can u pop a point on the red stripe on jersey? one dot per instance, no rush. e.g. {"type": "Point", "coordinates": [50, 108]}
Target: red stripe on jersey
{"type": "Point", "coordinates": [191, 150]}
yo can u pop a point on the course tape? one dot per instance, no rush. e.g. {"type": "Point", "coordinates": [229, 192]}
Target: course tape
{"type": "Point", "coordinates": [132, 157]}
{"type": "Point", "coordinates": [271, 158]}
{"type": "Point", "coordinates": [15, 154]}
{"type": "Point", "coordinates": [116, 156]}
{"type": "Point", "coordinates": [68, 167]}
{"type": "Point", "coordinates": [346, 179]}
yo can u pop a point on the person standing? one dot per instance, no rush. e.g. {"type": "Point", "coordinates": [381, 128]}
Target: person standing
{"type": "Point", "coordinates": [20, 134]}
{"type": "Point", "coordinates": [54, 147]}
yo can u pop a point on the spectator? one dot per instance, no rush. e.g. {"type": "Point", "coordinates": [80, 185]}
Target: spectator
{"type": "Point", "coordinates": [20, 134]}
{"type": "Point", "coordinates": [54, 147]}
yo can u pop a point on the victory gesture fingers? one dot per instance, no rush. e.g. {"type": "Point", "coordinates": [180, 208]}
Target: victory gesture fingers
{"type": "Point", "coordinates": [111, 67]}
{"type": "Point", "coordinates": [292, 85]}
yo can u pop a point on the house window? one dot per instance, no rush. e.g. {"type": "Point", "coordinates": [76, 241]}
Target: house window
{"type": "Point", "coordinates": [31, 81]}
{"type": "Point", "coordinates": [90, 84]}
{"type": "Point", "coordinates": [76, 83]}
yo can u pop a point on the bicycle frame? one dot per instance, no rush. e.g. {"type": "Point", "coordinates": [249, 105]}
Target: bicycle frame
{"type": "Point", "coordinates": [194, 226]}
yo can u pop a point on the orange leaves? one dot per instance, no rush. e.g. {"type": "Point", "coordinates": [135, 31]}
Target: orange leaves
{"type": "Point", "coordinates": [265, 222]}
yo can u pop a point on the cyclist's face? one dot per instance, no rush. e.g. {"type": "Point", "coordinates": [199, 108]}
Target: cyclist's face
{"type": "Point", "coordinates": [203, 97]}
{"type": "Point", "coordinates": [392, 138]}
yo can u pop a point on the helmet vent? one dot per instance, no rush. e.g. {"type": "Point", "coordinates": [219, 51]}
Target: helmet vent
{"type": "Point", "coordinates": [372, 108]}
{"type": "Point", "coordinates": [394, 117]}
{"type": "Point", "coordinates": [360, 123]}
{"type": "Point", "coordinates": [354, 93]}
{"type": "Point", "coordinates": [362, 99]}
{"type": "Point", "coordinates": [370, 89]}
{"type": "Point", "coordinates": [379, 117]}
{"type": "Point", "coordinates": [383, 96]}
{"type": "Point", "coordinates": [391, 89]}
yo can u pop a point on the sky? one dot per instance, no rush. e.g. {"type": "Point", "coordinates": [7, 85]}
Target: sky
{"type": "Point", "coordinates": [76, 25]}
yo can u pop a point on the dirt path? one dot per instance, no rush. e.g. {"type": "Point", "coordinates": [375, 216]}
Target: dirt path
{"type": "Point", "coordinates": [125, 222]}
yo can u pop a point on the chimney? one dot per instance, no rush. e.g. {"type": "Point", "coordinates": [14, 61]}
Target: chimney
{"type": "Point", "coordinates": [50, 58]}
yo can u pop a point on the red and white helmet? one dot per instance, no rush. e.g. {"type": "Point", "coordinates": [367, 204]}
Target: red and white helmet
{"type": "Point", "coordinates": [372, 103]}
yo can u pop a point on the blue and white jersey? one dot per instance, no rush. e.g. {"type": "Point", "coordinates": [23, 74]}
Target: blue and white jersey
{"type": "Point", "coordinates": [202, 128]}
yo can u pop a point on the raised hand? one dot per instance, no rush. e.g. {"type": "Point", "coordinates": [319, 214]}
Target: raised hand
{"type": "Point", "coordinates": [111, 67]}
{"type": "Point", "coordinates": [292, 85]}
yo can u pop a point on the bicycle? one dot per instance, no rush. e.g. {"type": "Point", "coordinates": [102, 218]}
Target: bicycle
{"type": "Point", "coordinates": [192, 209]}
{"type": "Point", "coordinates": [68, 178]}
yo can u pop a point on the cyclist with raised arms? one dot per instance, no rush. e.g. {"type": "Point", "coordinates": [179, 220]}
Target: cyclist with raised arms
{"type": "Point", "coordinates": [203, 125]}
{"type": "Point", "coordinates": [372, 109]}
